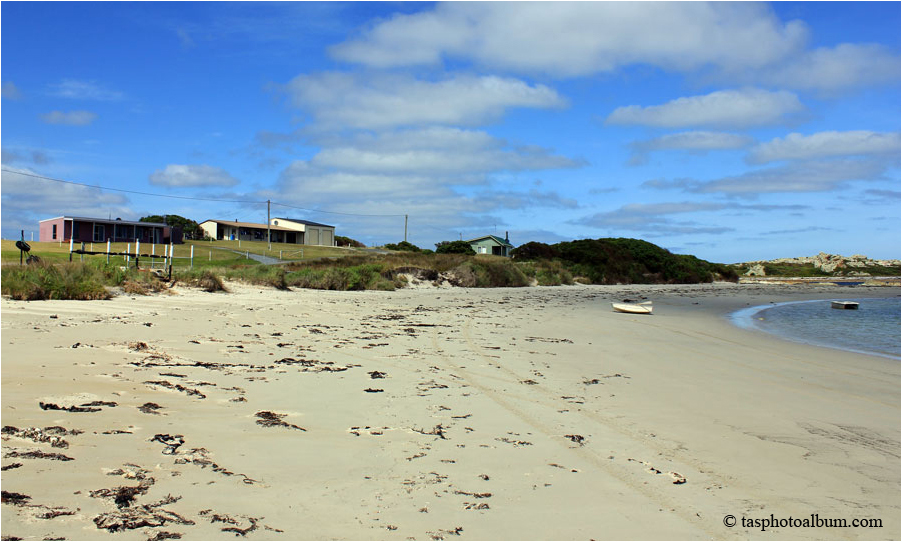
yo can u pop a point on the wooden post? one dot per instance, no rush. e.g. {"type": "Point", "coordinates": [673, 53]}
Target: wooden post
{"type": "Point", "coordinates": [192, 256]}
{"type": "Point", "coordinates": [128, 251]}
{"type": "Point", "coordinates": [107, 251]}
{"type": "Point", "coordinates": [82, 251]}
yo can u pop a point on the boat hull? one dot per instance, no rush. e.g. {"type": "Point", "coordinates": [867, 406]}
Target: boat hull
{"type": "Point", "coordinates": [847, 305]}
{"type": "Point", "coordinates": [632, 309]}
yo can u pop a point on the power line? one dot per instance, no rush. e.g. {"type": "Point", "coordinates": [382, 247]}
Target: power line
{"type": "Point", "coordinates": [127, 191]}
{"type": "Point", "coordinates": [189, 197]}
{"type": "Point", "coordinates": [329, 212]}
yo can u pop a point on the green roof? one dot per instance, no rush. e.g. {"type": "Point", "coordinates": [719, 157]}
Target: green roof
{"type": "Point", "coordinates": [497, 239]}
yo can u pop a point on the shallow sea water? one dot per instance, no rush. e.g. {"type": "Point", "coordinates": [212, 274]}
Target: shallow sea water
{"type": "Point", "coordinates": [872, 329]}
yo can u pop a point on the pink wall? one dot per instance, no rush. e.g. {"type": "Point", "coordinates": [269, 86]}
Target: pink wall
{"type": "Point", "coordinates": [46, 230]}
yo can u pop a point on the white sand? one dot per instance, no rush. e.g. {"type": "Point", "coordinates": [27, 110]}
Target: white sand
{"type": "Point", "coordinates": [505, 414]}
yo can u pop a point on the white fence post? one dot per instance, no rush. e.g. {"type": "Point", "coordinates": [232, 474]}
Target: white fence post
{"type": "Point", "coordinates": [128, 250]}
{"type": "Point", "coordinates": [192, 256]}
{"type": "Point", "coordinates": [107, 250]}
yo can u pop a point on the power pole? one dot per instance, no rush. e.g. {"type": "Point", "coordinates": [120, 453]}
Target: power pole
{"type": "Point", "coordinates": [405, 228]}
{"type": "Point", "coordinates": [268, 236]}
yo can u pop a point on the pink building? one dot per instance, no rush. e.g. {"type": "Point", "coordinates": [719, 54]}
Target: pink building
{"type": "Point", "coordinates": [99, 230]}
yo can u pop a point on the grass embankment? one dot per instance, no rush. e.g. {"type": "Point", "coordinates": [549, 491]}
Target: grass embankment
{"type": "Point", "coordinates": [75, 280]}
{"type": "Point", "coordinates": [206, 253]}
{"type": "Point", "coordinates": [95, 279]}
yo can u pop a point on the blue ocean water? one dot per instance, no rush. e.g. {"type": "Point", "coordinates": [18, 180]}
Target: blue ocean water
{"type": "Point", "coordinates": [872, 329]}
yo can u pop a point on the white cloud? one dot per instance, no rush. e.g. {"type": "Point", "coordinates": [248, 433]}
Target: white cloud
{"type": "Point", "coordinates": [797, 177]}
{"type": "Point", "coordinates": [833, 68]}
{"type": "Point", "coordinates": [654, 219]}
{"type": "Point", "coordinates": [31, 196]}
{"type": "Point", "coordinates": [720, 109]}
{"type": "Point", "coordinates": [84, 90]}
{"type": "Point", "coordinates": [176, 175]}
{"type": "Point", "coordinates": [732, 41]}
{"type": "Point", "coordinates": [796, 146]}
{"type": "Point", "coordinates": [10, 91]}
{"type": "Point", "coordinates": [436, 152]}
{"type": "Point", "coordinates": [70, 118]}
{"type": "Point", "coordinates": [579, 38]}
{"type": "Point", "coordinates": [344, 100]}
{"type": "Point", "coordinates": [695, 141]}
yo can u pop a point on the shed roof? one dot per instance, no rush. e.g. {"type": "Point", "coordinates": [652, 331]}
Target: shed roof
{"type": "Point", "coordinates": [236, 224]}
{"type": "Point", "coordinates": [305, 222]}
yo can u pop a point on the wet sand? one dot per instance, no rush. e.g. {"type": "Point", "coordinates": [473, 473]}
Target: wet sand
{"type": "Point", "coordinates": [433, 413]}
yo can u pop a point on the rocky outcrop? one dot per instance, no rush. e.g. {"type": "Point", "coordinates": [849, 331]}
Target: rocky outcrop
{"type": "Point", "coordinates": [828, 263]}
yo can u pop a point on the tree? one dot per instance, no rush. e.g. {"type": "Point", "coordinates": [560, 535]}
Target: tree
{"type": "Point", "coordinates": [454, 247]}
{"type": "Point", "coordinates": [190, 228]}
{"type": "Point", "coordinates": [403, 246]}
{"type": "Point", "coordinates": [534, 250]}
{"type": "Point", "coordinates": [347, 241]}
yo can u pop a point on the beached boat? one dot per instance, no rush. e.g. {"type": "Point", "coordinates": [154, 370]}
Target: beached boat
{"type": "Point", "coordinates": [844, 305]}
{"type": "Point", "coordinates": [633, 308]}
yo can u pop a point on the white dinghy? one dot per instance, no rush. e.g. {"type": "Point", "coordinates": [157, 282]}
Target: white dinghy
{"type": "Point", "coordinates": [633, 308]}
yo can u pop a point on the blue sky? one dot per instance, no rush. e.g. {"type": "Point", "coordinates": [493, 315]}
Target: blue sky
{"type": "Point", "coordinates": [732, 131]}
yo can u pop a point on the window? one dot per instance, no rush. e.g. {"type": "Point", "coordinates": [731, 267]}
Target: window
{"type": "Point", "coordinates": [483, 250]}
{"type": "Point", "coordinates": [54, 231]}
{"type": "Point", "coordinates": [99, 232]}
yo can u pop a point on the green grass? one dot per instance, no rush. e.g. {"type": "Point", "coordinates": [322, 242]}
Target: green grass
{"type": "Point", "coordinates": [75, 280]}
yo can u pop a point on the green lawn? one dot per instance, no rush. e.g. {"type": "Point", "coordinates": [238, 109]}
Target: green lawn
{"type": "Point", "coordinates": [206, 253]}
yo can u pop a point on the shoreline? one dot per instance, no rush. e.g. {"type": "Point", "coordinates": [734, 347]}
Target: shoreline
{"type": "Point", "coordinates": [745, 319]}
{"type": "Point", "coordinates": [439, 413]}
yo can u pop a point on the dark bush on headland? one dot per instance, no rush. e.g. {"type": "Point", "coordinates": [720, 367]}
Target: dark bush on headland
{"type": "Point", "coordinates": [535, 251]}
{"type": "Point", "coordinates": [626, 261]}
{"type": "Point", "coordinates": [454, 247]}
{"type": "Point", "coordinates": [343, 241]}
{"type": "Point", "coordinates": [403, 246]}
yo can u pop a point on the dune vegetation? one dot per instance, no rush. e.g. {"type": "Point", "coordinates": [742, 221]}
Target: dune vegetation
{"type": "Point", "coordinates": [589, 261]}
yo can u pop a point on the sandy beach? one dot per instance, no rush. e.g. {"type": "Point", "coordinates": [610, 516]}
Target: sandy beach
{"type": "Point", "coordinates": [440, 413]}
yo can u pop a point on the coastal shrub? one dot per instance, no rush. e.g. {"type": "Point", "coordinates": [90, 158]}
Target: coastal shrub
{"type": "Point", "coordinates": [633, 261]}
{"type": "Point", "coordinates": [206, 279]}
{"type": "Point", "coordinates": [403, 246]}
{"type": "Point", "coordinates": [42, 280]}
{"type": "Point", "coordinates": [342, 241]}
{"type": "Point", "coordinates": [546, 272]}
{"type": "Point", "coordinates": [488, 273]}
{"type": "Point", "coordinates": [264, 275]}
{"type": "Point", "coordinates": [454, 247]}
{"type": "Point", "coordinates": [535, 251]}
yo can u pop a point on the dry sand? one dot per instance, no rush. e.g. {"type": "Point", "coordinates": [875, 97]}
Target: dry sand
{"type": "Point", "coordinates": [499, 414]}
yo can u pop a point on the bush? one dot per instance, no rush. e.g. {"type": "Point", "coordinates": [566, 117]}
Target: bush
{"type": "Point", "coordinates": [54, 281]}
{"type": "Point", "coordinates": [266, 275]}
{"type": "Point", "coordinates": [403, 246]}
{"type": "Point", "coordinates": [535, 251]}
{"type": "Point", "coordinates": [343, 241]}
{"type": "Point", "coordinates": [204, 279]}
{"type": "Point", "coordinates": [454, 247]}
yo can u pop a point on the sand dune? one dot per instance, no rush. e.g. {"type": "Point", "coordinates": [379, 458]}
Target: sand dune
{"type": "Point", "coordinates": [427, 414]}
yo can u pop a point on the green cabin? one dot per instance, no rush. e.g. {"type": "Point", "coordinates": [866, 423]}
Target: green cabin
{"type": "Point", "coordinates": [492, 244]}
